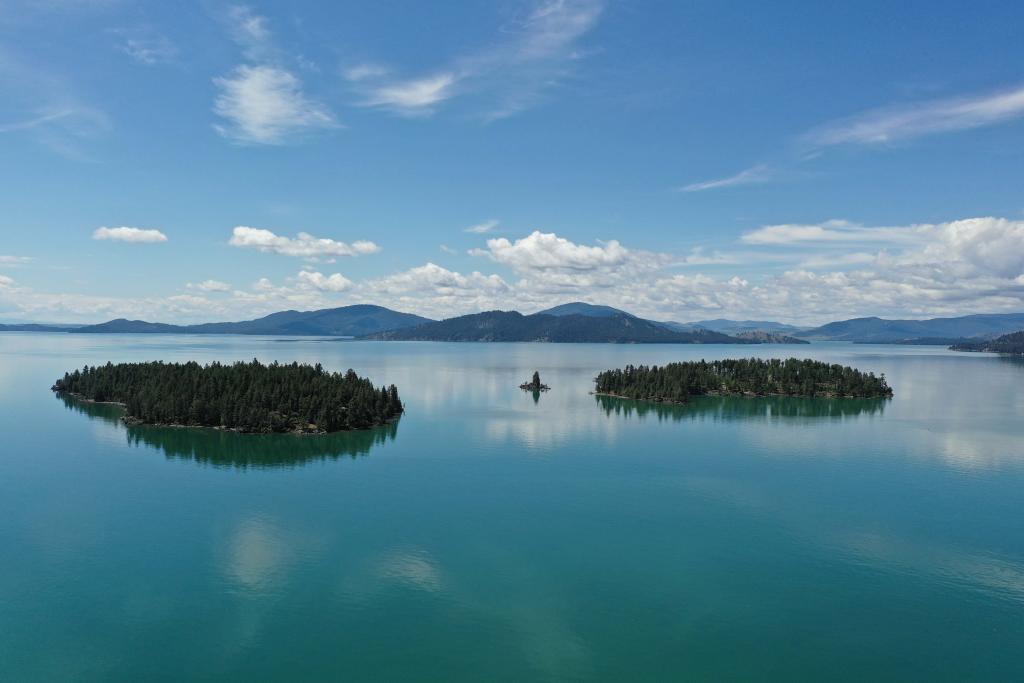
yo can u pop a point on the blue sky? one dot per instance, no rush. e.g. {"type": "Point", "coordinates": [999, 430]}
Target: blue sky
{"type": "Point", "coordinates": [797, 161]}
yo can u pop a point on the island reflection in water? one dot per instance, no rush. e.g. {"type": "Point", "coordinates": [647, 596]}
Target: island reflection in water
{"type": "Point", "coordinates": [221, 448]}
{"type": "Point", "coordinates": [725, 408]}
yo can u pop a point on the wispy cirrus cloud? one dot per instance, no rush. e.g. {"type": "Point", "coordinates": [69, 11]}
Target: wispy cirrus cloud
{"type": "Point", "coordinates": [303, 245]}
{"type": "Point", "coordinates": [482, 228]}
{"type": "Point", "coordinates": [263, 102]}
{"type": "Point", "coordinates": [414, 96]}
{"type": "Point", "coordinates": [831, 232]}
{"type": "Point", "coordinates": [128, 234]}
{"type": "Point", "coordinates": [41, 103]}
{"type": "Point", "coordinates": [266, 105]}
{"type": "Point", "coordinates": [250, 30]}
{"type": "Point", "coordinates": [533, 52]}
{"type": "Point", "coordinates": [145, 46]}
{"type": "Point", "coordinates": [7, 260]}
{"type": "Point", "coordinates": [890, 124]}
{"type": "Point", "coordinates": [749, 176]}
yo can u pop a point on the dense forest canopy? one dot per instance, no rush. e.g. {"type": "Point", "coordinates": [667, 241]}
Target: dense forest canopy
{"type": "Point", "coordinates": [1008, 343]}
{"type": "Point", "coordinates": [676, 382]}
{"type": "Point", "coordinates": [248, 397]}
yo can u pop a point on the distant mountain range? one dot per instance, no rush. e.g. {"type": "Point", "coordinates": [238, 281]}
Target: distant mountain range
{"type": "Point", "coordinates": [34, 327]}
{"type": "Point", "coordinates": [576, 321]}
{"type": "Point", "coordinates": [511, 326]}
{"type": "Point", "coordinates": [347, 321]}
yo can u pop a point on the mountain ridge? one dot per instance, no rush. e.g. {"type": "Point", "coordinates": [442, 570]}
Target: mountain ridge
{"type": "Point", "coordinates": [512, 326]}
{"type": "Point", "coordinates": [345, 321]}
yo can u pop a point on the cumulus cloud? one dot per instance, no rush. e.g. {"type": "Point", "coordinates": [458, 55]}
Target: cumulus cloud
{"type": "Point", "coordinates": [921, 270]}
{"type": "Point", "coordinates": [210, 286]}
{"type": "Point", "coordinates": [755, 174]}
{"type": "Point", "coordinates": [265, 105]}
{"type": "Point", "coordinates": [330, 283]}
{"type": "Point", "coordinates": [6, 281]}
{"type": "Point", "coordinates": [540, 250]}
{"type": "Point", "coordinates": [302, 245]}
{"type": "Point", "coordinates": [481, 228]}
{"type": "Point", "coordinates": [126, 234]}
{"type": "Point", "coordinates": [890, 124]}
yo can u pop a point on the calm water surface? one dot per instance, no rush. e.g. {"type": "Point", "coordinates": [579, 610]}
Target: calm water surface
{"type": "Point", "coordinates": [493, 536]}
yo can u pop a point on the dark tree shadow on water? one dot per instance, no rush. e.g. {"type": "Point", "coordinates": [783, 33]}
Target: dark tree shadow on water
{"type": "Point", "coordinates": [726, 408]}
{"type": "Point", "coordinates": [226, 449]}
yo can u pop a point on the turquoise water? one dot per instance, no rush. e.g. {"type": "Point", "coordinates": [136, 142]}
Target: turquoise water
{"type": "Point", "coordinates": [491, 535]}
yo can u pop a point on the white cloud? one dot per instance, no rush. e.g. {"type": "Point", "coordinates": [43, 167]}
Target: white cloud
{"type": "Point", "coordinates": [361, 72]}
{"type": "Point", "coordinates": [125, 234]}
{"type": "Point", "coordinates": [924, 118]}
{"type": "Point", "coordinates": [45, 106]}
{"type": "Point", "coordinates": [302, 245]}
{"type": "Point", "coordinates": [6, 281]}
{"type": "Point", "coordinates": [540, 250]}
{"type": "Point", "coordinates": [481, 228]}
{"type": "Point", "coordinates": [36, 121]}
{"type": "Point", "coordinates": [249, 30]}
{"type": "Point", "coordinates": [210, 286]}
{"type": "Point", "coordinates": [146, 47]}
{"type": "Point", "coordinates": [330, 283]}
{"type": "Point", "coordinates": [412, 96]}
{"type": "Point", "coordinates": [535, 52]}
{"type": "Point", "coordinates": [14, 260]}
{"type": "Point", "coordinates": [922, 270]}
{"type": "Point", "coordinates": [448, 250]}
{"type": "Point", "coordinates": [837, 231]}
{"type": "Point", "coordinates": [755, 174]}
{"type": "Point", "coordinates": [266, 105]}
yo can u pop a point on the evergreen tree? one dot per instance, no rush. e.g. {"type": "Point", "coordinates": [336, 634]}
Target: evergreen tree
{"type": "Point", "coordinates": [249, 397]}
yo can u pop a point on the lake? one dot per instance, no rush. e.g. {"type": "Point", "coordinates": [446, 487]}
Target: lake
{"type": "Point", "coordinates": [494, 535]}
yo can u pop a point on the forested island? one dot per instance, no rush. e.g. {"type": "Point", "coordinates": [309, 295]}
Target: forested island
{"type": "Point", "coordinates": [677, 382]}
{"type": "Point", "coordinates": [534, 384]}
{"type": "Point", "coordinates": [1008, 343]}
{"type": "Point", "coordinates": [245, 397]}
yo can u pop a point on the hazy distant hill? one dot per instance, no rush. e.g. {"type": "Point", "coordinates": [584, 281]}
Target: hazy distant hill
{"type": "Point", "coordinates": [879, 330]}
{"type": "Point", "coordinates": [726, 326]}
{"type": "Point", "coordinates": [35, 327]}
{"type": "Point", "coordinates": [1008, 343]}
{"type": "Point", "coordinates": [510, 326]}
{"type": "Point", "coordinates": [347, 321]}
{"type": "Point", "coordinates": [765, 337]}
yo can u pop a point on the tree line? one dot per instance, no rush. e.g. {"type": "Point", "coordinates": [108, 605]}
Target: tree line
{"type": "Point", "coordinates": [676, 382]}
{"type": "Point", "coordinates": [248, 397]}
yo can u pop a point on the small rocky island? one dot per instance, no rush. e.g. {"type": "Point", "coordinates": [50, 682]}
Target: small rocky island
{"type": "Point", "coordinates": [677, 382]}
{"type": "Point", "coordinates": [244, 397]}
{"type": "Point", "coordinates": [534, 384]}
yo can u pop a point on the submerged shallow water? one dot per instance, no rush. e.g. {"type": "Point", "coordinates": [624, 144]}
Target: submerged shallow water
{"type": "Point", "coordinates": [494, 535]}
